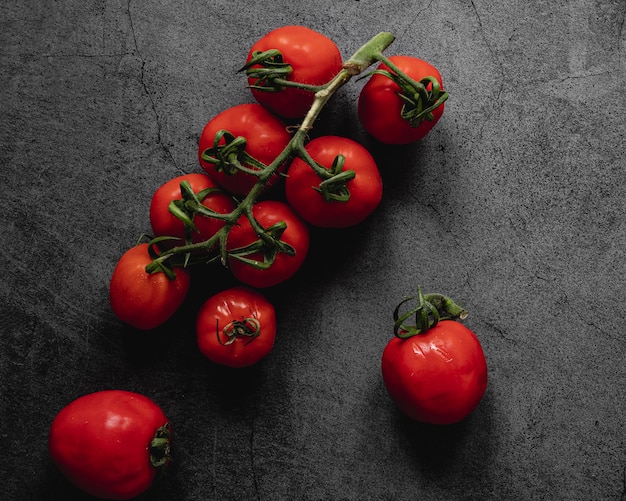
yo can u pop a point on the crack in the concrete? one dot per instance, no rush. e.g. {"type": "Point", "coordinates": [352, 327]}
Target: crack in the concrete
{"type": "Point", "coordinates": [490, 49]}
{"type": "Point", "coordinates": [168, 153]}
{"type": "Point", "coordinates": [415, 18]}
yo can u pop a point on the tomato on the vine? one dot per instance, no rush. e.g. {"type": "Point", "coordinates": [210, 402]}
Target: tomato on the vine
{"type": "Point", "coordinates": [141, 299]}
{"type": "Point", "coordinates": [236, 327]}
{"type": "Point", "coordinates": [110, 443]}
{"type": "Point", "coordinates": [437, 377]}
{"type": "Point", "coordinates": [279, 257]}
{"type": "Point", "coordinates": [322, 204]}
{"type": "Point", "coordinates": [264, 135]}
{"type": "Point", "coordinates": [389, 114]}
{"type": "Point", "coordinates": [164, 223]}
{"type": "Point", "coordinates": [303, 55]}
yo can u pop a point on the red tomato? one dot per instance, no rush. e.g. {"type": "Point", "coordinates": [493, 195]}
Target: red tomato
{"type": "Point", "coordinates": [314, 60]}
{"type": "Point", "coordinates": [110, 443]}
{"type": "Point", "coordinates": [141, 299]}
{"type": "Point", "coordinates": [380, 105]}
{"type": "Point", "coordinates": [266, 137]}
{"type": "Point", "coordinates": [366, 188]}
{"type": "Point", "coordinates": [438, 377]}
{"type": "Point", "coordinates": [236, 327]}
{"type": "Point", "coordinates": [296, 235]}
{"type": "Point", "coordinates": [164, 223]}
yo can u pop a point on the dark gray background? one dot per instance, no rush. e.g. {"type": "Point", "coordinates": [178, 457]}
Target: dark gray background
{"type": "Point", "coordinates": [513, 205]}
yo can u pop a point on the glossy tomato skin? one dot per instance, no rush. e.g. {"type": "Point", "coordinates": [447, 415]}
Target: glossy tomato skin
{"type": "Point", "coordinates": [217, 322]}
{"type": "Point", "coordinates": [165, 223]}
{"type": "Point", "coordinates": [100, 442]}
{"type": "Point", "coordinates": [141, 299]}
{"type": "Point", "coordinates": [266, 137]}
{"type": "Point", "coordinates": [438, 377]}
{"type": "Point", "coordinates": [267, 213]}
{"type": "Point", "coordinates": [379, 106]}
{"type": "Point", "coordinates": [366, 188]}
{"type": "Point", "coordinates": [315, 59]}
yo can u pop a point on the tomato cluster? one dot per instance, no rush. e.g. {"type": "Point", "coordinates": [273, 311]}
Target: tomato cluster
{"type": "Point", "coordinates": [262, 183]}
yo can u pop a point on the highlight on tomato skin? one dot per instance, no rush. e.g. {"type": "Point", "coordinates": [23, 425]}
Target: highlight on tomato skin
{"type": "Point", "coordinates": [437, 377]}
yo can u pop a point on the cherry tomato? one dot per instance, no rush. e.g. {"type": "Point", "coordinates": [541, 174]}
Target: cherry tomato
{"type": "Point", "coordinates": [164, 223]}
{"type": "Point", "coordinates": [296, 236]}
{"type": "Point", "coordinates": [365, 189]}
{"type": "Point", "coordinates": [236, 327]}
{"type": "Point", "coordinates": [437, 377]}
{"type": "Point", "coordinates": [380, 105]}
{"type": "Point", "coordinates": [141, 299]}
{"type": "Point", "coordinates": [110, 443]}
{"type": "Point", "coordinates": [265, 137]}
{"type": "Point", "coordinates": [314, 59]}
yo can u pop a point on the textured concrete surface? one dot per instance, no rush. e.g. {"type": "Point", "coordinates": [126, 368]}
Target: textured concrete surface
{"type": "Point", "coordinates": [514, 205]}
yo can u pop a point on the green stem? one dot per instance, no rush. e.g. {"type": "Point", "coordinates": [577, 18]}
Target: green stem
{"type": "Point", "coordinates": [430, 309]}
{"type": "Point", "coordinates": [365, 56]}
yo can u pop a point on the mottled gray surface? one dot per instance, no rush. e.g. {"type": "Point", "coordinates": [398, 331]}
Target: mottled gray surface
{"type": "Point", "coordinates": [514, 205]}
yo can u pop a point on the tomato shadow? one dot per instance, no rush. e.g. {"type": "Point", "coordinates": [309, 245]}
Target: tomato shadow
{"type": "Point", "coordinates": [461, 451]}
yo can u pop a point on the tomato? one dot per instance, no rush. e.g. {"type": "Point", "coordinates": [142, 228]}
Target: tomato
{"type": "Point", "coordinates": [110, 443]}
{"type": "Point", "coordinates": [437, 377]}
{"type": "Point", "coordinates": [265, 136]}
{"type": "Point", "coordinates": [380, 105]}
{"type": "Point", "coordinates": [309, 58]}
{"type": "Point", "coordinates": [141, 299]}
{"type": "Point", "coordinates": [164, 223]}
{"type": "Point", "coordinates": [294, 241]}
{"type": "Point", "coordinates": [236, 327]}
{"type": "Point", "coordinates": [365, 189]}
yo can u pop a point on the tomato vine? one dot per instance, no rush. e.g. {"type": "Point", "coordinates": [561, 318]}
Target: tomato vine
{"type": "Point", "coordinates": [232, 157]}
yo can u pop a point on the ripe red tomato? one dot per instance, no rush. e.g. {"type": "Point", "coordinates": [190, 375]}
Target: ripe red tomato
{"type": "Point", "coordinates": [314, 60]}
{"type": "Point", "coordinates": [164, 223]}
{"type": "Point", "coordinates": [236, 327]}
{"type": "Point", "coordinates": [296, 236]}
{"type": "Point", "coordinates": [141, 299]}
{"type": "Point", "coordinates": [266, 137]}
{"type": "Point", "coordinates": [110, 443]}
{"type": "Point", "coordinates": [366, 188]}
{"type": "Point", "coordinates": [380, 105]}
{"type": "Point", "coordinates": [438, 377]}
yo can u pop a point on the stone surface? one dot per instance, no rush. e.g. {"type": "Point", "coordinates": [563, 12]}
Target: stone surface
{"type": "Point", "coordinates": [514, 205]}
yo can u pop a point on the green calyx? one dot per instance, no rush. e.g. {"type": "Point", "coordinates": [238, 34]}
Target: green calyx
{"type": "Point", "coordinates": [333, 186]}
{"type": "Point", "coordinates": [430, 309]}
{"type": "Point", "coordinates": [249, 328]}
{"type": "Point", "coordinates": [420, 99]}
{"type": "Point", "coordinates": [159, 448]}
{"type": "Point", "coordinates": [269, 70]}
{"type": "Point", "coordinates": [231, 156]}
{"type": "Point", "coordinates": [268, 245]}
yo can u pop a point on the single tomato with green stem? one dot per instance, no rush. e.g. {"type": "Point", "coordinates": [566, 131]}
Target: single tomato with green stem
{"type": "Point", "coordinates": [435, 371]}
